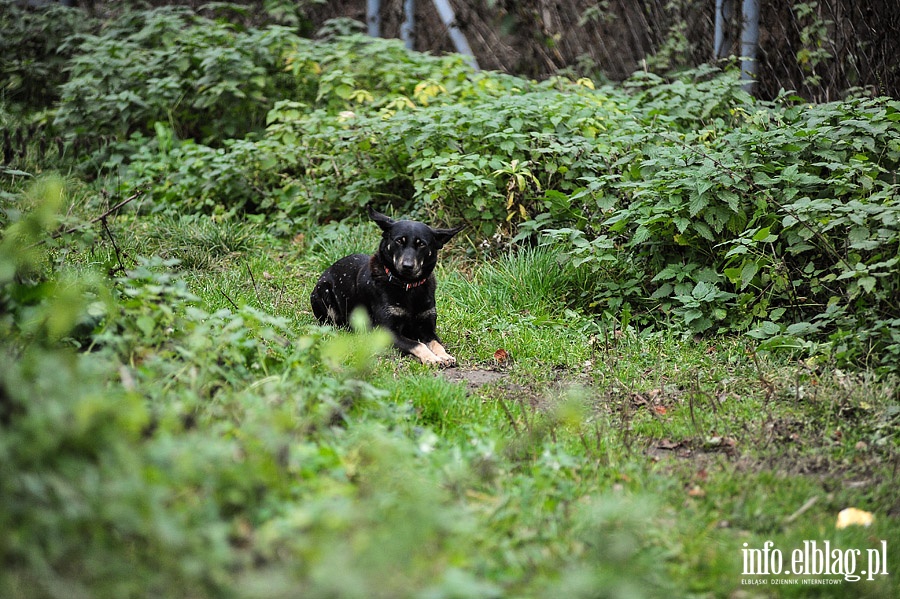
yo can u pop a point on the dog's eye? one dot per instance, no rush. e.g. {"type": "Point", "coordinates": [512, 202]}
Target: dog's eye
{"type": "Point", "coordinates": [420, 243]}
{"type": "Point", "coordinates": [401, 240]}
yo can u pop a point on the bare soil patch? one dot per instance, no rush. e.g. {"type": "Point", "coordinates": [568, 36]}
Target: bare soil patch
{"type": "Point", "coordinates": [473, 378]}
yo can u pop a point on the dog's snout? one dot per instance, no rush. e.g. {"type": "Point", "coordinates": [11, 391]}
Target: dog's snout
{"type": "Point", "coordinates": [408, 262]}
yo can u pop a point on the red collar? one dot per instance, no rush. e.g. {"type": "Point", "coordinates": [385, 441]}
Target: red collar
{"type": "Point", "coordinates": [397, 281]}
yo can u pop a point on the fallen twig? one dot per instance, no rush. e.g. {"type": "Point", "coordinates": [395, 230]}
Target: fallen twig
{"type": "Point", "coordinates": [102, 217]}
{"type": "Point", "coordinates": [230, 301]}
{"type": "Point", "coordinates": [253, 281]}
{"type": "Point", "coordinates": [809, 503]}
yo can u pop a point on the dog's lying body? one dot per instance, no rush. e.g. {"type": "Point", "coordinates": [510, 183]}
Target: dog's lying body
{"type": "Point", "coordinates": [395, 285]}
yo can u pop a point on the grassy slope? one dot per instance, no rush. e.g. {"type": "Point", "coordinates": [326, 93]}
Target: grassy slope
{"type": "Point", "coordinates": [198, 453]}
{"type": "Point", "coordinates": [685, 448]}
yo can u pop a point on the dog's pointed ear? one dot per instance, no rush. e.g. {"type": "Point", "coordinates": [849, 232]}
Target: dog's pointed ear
{"type": "Point", "coordinates": [382, 220]}
{"type": "Point", "coordinates": [442, 236]}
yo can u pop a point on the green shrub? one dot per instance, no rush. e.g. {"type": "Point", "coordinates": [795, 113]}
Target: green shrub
{"type": "Point", "coordinates": [452, 154]}
{"type": "Point", "coordinates": [209, 80]}
{"type": "Point", "coordinates": [683, 202]}
{"type": "Point", "coordinates": [136, 469]}
{"type": "Point", "coordinates": [84, 509]}
{"type": "Point", "coordinates": [34, 52]}
{"type": "Point", "coordinates": [779, 219]}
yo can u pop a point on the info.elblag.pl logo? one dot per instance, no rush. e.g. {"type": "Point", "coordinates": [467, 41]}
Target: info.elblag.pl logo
{"type": "Point", "coordinates": [820, 560]}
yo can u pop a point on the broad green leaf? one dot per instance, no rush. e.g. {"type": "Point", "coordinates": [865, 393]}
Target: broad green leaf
{"type": "Point", "coordinates": [748, 271]}
{"type": "Point", "coordinates": [765, 330]}
{"type": "Point", "coordinates": [762, 234]}
{"type": "Point", "coordinates": [698, 203]}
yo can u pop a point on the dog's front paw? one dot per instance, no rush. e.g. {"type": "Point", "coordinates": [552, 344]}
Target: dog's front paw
{"type": "Point", "coordinates": [434, 354]}
{"type": "Point", "coordinates": [447, 361]}
{"type": "Point", "coordinates": [444, 361]}
{"type": "Point", "coordinates": [438, 350]}
{"type": "Point", "coordinates": [425, 355]}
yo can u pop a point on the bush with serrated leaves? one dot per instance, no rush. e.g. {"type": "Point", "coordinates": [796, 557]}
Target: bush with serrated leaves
{"type": "Point", "coordinates": [687, 202]}
{"type": "Point", "coordinates": [209, 80]}
{"type": "Point", "coordinates": [778, 219]}
{"type": "Point", "coordinates": [116, 483]}
{"type": "Point", "coordinates": [33, 50]}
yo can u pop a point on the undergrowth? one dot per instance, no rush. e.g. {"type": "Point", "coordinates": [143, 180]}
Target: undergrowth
{"type": "Point", "coordinates": [683, 201]}
{"type": "Point", "coordinates": [637, 261]}
{"type": "Point", "coordinates": [205, 446]}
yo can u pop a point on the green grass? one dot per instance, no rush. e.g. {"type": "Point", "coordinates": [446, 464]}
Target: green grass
{"type": "Point", "coordinates": [597, 462]}
{"type": "Point", "coordinates": [174, 423]}
{"type": "Point", "coordinates": [730, 447]}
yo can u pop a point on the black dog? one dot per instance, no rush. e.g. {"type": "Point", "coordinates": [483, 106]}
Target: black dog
{"type": "Point", "coordinates": [395, 286]}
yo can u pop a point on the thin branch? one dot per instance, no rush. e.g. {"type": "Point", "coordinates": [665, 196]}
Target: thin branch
{"type": "Point", "coordinates": [255, 287]}
{"type": "Point", "coordinates": [102, 217]}
{"type": "Point", "coordinates": [112, 240]}
{"type": "Point", "coordinates": [803, 508]}
{"type": "Point", "coordinates": [230, 301]}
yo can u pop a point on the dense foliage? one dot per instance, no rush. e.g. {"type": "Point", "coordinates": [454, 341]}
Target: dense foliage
{"type": "Point", "coordinates": [34, 52]}
{"type": "Point", "coordinates": [194, 453]}
{"type": "Point", "coordinates": [688, 202]}
{"type": "Point", "coordinates": [177, 436]}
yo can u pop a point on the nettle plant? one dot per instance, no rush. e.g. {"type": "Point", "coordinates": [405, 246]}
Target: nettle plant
{"type": "Point", "coordinates": [207, 79]}
{"type": "Point", "coordinates": [205, 147]}
{"type": "Point", "coordinates": [492, 150]}
{"type": "Point", "coordinates": [679, 202]}
{"type": "Point", "coordinates": [780, 220]}
{"type": "Point", "coordinates": [32, 54]}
